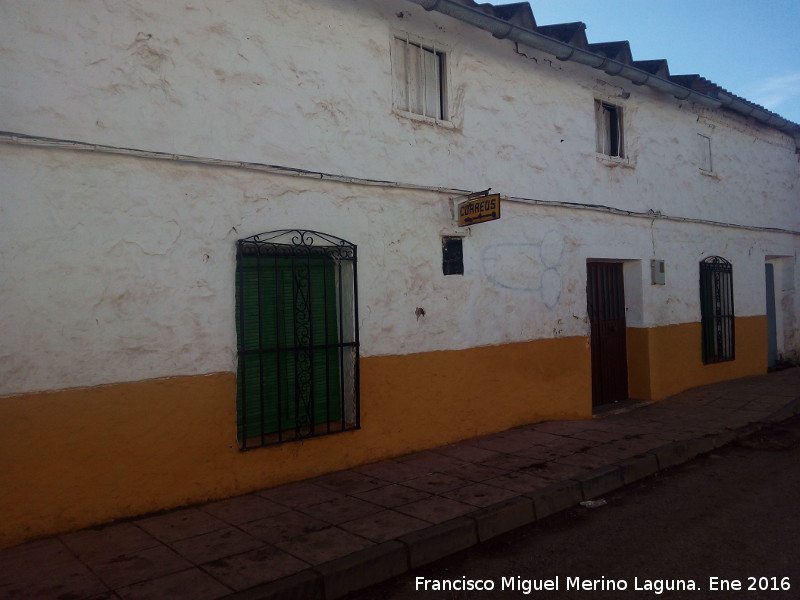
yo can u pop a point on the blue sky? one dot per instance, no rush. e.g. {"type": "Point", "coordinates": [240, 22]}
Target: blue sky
{"type": "Point", "coordinates": [749, 47]}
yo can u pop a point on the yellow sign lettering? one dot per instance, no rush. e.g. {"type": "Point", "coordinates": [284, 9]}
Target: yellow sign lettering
{"type": "Point", "coordinates": [479, 210]}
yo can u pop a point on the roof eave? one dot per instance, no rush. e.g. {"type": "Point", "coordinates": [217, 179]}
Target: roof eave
{"type": "Point", "coordinates": [502, 29]}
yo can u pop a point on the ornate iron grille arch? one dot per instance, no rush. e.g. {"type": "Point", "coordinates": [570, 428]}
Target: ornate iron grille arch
{"type": "Point", "coordinates": [716, 310]}
{"type": "Point", "coordinates": [297, 337]}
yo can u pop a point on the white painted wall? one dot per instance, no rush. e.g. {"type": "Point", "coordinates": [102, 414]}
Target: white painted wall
{"type": "Point", "coordinates": [120, 269]}
{"type": "Point", "coordinates": [308, 84]}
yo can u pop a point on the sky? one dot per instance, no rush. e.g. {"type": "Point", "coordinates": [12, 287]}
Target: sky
{"type": "Point", "coordinates": [749, 47]}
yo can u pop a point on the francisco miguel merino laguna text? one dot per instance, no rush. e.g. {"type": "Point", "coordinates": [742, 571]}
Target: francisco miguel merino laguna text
{"type": "Point", "coordinates": [526, 586]}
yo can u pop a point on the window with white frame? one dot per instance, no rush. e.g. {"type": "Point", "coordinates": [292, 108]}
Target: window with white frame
{"type": "Point", "coordinates": [419, 78]}
{"type": "Point", "coordinates": [609, 130]}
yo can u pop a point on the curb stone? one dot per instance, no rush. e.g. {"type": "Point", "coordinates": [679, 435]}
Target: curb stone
{"type": "Point", "coordinates": [362, 569]}
{"type": "Point", "coordinates": [749, 429]}
{"type": "Point", "coordinates": [788, 411]}
{"type": "Point", "coordinates": [673, 454]}
{"type": "Point", "coordinates": [503, 517]}
{"type": "Point", "coordinates": [600, 481]}
{"type": "Point", "coordinates": [724, 438]}
{"type": "Point", "coordinates": [555, 498]}
{"type": "Point", "coordinates": [305, 585]}
{"type": "Point", "coordinates": [441, 540]}
{"type": "Point", "coordinates": [702, 445]}
{"type": "Point", "coordinates": [638, 467]}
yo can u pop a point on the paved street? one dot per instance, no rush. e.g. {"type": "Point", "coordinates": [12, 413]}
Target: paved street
{"type": "Point", "coordinates": [732, 514]}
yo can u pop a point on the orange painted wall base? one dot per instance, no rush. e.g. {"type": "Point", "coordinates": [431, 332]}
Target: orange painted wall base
{"type": "Point", "coordinates": [663, 361]}
{"type": "Point", "coordinates": [80, 457]}
{"type": "Point", "coordinates": [74, 458]}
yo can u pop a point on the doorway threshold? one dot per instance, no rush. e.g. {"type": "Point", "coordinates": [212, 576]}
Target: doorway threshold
{"type": "Point", "coordinates": [620, 406]}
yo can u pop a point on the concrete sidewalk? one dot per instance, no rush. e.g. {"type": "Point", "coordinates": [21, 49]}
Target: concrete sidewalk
{"type": "Point", "coordinates": [325, 537]}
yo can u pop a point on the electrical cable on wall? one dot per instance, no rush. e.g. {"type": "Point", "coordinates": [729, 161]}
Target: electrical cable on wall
{"type": "Point", "coordinates": [44, 142]}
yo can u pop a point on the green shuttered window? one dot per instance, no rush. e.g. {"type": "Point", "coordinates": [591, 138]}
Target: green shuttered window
{"type": "Point", "coordinates": [297, 340]}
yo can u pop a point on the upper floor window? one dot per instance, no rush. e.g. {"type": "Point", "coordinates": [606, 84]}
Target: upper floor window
{"type": "Point", "coordinates": [610, 136]}
{"type": "Point", "coordinates": [704, 150]}
{"type": "Point", "coordinates": [716, 310]}
{"type": "Point", "coordinates": [419, 79]}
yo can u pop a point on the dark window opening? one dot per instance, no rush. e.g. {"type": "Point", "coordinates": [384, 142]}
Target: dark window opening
{"type": "Point", "coordinates": [716, 310]}
{"type": "Point", "coordinates": [452, 256]}
{"type": "Point", "coordinates": [609, 129]}
{"type": "Point", "coordinates": [297, 335]}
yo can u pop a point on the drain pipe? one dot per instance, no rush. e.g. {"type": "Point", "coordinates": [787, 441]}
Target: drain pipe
{"type": "Point", "coordinates": [504, 30]}
{"type": "Point", "coordinates": [738, 105]}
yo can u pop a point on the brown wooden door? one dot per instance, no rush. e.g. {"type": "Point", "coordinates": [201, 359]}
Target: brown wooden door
{"type": "Point", "coordinates": [606, 306]}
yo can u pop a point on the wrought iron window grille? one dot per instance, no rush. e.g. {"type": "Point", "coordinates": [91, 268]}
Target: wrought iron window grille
{"type": "Point", "coordinates": [419, 72]}
{"type": "Point", "coordinates": [297, 337]}
{"type": "Point", "coordinates": [716, 308]}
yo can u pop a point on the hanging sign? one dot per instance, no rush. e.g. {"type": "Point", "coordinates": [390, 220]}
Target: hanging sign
{"type": "Point", "coordinates": [479, 210]}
